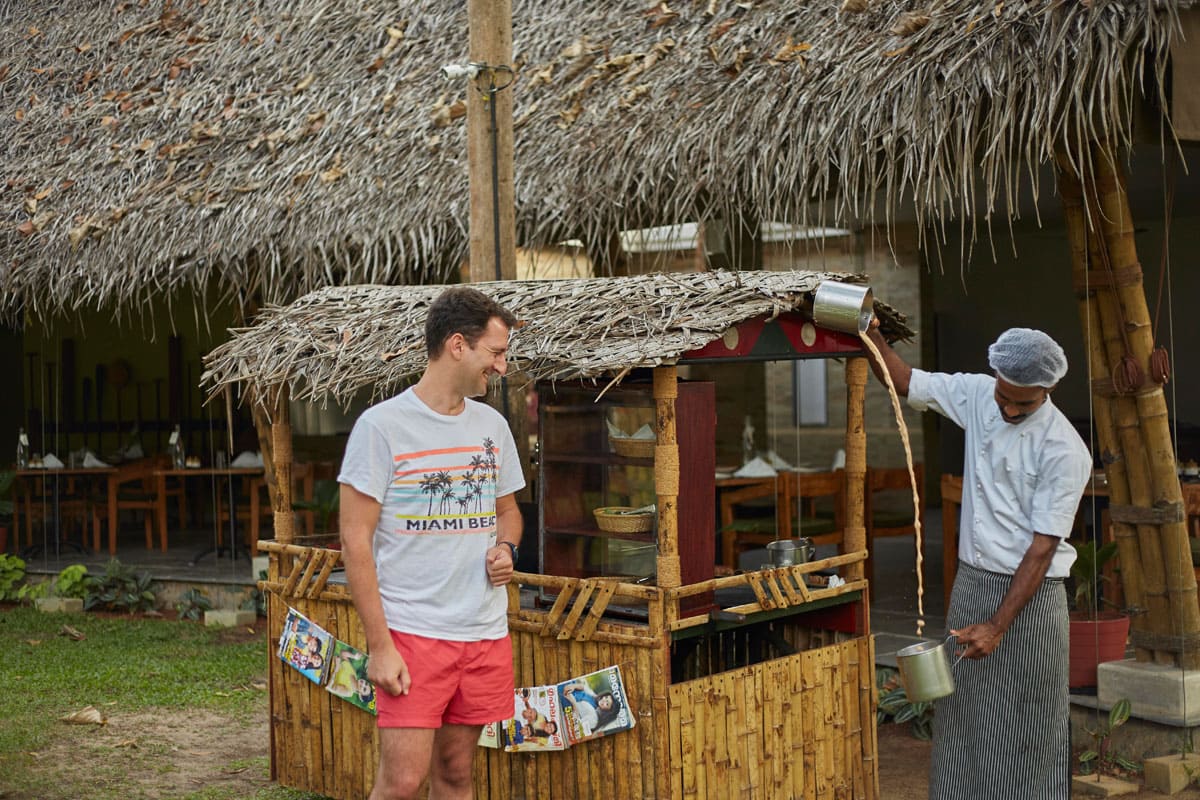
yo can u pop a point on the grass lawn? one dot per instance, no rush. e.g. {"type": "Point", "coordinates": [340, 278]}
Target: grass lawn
{"type": "Point", "coordinates": [184, 708]}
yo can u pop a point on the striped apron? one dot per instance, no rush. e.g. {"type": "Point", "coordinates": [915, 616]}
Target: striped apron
{"type": "Point", "coordinates": [1004, 734]}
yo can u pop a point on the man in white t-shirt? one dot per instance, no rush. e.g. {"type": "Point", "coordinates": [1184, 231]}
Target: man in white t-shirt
{"type": "Point", "coordinates": [430, 529]}
{"type": "Point", "coordinates": [1005, 731]}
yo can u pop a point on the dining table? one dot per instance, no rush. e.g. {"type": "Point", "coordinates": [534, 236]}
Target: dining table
{"type": "Point", "coordinates": [161, 476]}
{"type": "Point", "coordinates": [50, 481]}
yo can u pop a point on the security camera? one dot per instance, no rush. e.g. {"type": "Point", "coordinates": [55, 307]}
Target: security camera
{"type": "Point", "coordinates": [454, 72]}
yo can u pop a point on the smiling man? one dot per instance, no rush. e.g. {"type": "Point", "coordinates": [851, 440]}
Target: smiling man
{"type": "Point", "coordinates": [430, 529]}
{"type": "Point", "coordinates": [1005, 732]}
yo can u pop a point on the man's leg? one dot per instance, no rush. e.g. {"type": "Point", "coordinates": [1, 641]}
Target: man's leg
{"type": "Point", "coordinates": [454, 749]}
{"type": "Point", "coordinates": [404, 755]}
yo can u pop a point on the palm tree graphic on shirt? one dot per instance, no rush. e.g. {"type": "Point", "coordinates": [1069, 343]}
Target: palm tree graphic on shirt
{"type": "Point", "coordinates": [483, 468]}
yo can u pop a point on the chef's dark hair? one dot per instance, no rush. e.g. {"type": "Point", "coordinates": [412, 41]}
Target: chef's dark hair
{"type": "Point", "coordinates": [462, 310]}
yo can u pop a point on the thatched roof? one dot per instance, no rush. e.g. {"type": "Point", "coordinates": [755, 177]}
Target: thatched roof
{"type": "Point", "coordinates": [286, 145]}
{"type": "Point", "coordinates": [330, 344]}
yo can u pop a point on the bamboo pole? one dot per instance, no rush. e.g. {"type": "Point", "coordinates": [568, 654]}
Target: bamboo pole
{"type": "Point", "coordinates": [1115, 465]}
{"type": "Point", "coordinates": [855, 532]}
{"type": "Point", "coordinates": [281, 452]}
{"type": "Point", "coordinates": [1116, 225]}
{"type": "Point", "coordinates": [1126, 423]}
{"type": "Point", "coordinates": [666, 485]}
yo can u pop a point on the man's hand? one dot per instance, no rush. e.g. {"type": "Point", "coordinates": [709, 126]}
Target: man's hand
{"type": "Point", "coordinates": [387, 670]}
{"type": "Point", "coordinates": [499, 564]}
{"type": "Point", "coordinates": [978, 641]}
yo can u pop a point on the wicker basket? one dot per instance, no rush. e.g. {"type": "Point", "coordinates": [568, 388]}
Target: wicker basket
{"type": "Point", "coordinates": [632, 448]}
{"type": "Point", "coordinates": [611, 521]}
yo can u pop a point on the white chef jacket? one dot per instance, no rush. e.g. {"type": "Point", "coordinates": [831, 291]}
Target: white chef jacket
{"type": "Point", "coordinates": [1017, 479]}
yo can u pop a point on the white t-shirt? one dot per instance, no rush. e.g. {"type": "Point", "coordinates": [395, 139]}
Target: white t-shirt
{"type": "Point", "coordinates": [438, 478]}
{"type": "Point", "coordinates": [1017, 479]}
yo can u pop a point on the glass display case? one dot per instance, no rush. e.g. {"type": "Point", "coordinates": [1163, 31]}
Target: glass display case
{"type": "Point", "coordinates": [581, 469]}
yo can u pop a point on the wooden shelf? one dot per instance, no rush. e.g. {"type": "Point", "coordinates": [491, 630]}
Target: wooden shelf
{"type": "Point", "coordinates": [596, 533]}
{"type": "Point", "coordinates": [594, 458]}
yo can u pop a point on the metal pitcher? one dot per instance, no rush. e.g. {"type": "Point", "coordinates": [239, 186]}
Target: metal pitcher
{"type": "Point", "coordinates": [926, 670]}
{"type": "Point", "coordinates": [844, 307]}
{"type": "Point", "coordinates": [786, 552]}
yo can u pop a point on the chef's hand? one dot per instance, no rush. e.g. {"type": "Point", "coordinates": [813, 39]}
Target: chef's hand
{"type": "Point", "coordinates": [387, 670]}
{"type": "Point", "coordinates": [979, 640]}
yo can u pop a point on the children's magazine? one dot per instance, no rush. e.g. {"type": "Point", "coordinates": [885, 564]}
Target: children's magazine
{"type": "Point", "coordinates": [348, 676]}
{"type": "Point", "coordinates": [537, 722]}
{"type": "Point", "coordinates": [594, 705]}
{"type": "Point", "coordinates": [305, 646]}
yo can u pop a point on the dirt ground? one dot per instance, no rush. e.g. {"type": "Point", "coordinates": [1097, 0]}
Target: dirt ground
{"type": "Point", "coordinates": [159, 755]}
{"type": "Point", "coordinates": [904, 769]}
{"type": "Point", "coordinates": [164, 755]}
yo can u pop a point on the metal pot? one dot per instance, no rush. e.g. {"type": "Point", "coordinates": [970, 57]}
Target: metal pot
{"type": "Point", "coordinates": [925, 670]}
{"type": "Point", "coordinates": [786, 552]}
{"type": "Point", "coordinates": [844, 307]}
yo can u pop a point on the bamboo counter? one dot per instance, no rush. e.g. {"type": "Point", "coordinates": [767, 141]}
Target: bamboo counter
{"type": "Point", "coordinates": [771, 698]}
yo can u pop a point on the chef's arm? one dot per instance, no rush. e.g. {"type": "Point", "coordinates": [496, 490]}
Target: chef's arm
{"type": "Point", "coordinates": [897, 367]}
{"type": "Point", "coordinates": [981, 639]}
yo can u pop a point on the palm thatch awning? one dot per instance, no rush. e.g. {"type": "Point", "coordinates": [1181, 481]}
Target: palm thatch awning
{"type": "Point", "coordinates": [330, 344]}
{"type": "Point", "coordinates": [286, 145]}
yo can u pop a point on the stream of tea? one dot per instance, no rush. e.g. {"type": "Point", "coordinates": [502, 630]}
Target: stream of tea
{"type": "Point", "coordinates": [912, 478]}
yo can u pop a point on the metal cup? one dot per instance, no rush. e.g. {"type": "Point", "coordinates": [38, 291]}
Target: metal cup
{"type": "Point", "coordinates": [844, 307]}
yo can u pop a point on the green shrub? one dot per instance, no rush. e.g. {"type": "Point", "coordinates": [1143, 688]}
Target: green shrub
{"type": "Point", "coordinates": [12, 573]}
{"type": "Point", "coordinates": [895, 706]}
{"type": "Point", "coordinates": [120, 588]}
{"type": "Point", "coordinates": [72, 582]}
{"type": "Point", "coordinates": [192, 604]}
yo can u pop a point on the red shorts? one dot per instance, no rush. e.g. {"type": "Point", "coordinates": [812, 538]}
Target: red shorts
{"type": "Point", "coordinates": [455, 683]}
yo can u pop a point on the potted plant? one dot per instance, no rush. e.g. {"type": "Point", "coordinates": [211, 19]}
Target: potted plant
{"type": "Point", "coordinates": [1096, 635]}
{"type": "Point", "coordinates": [325, 503]}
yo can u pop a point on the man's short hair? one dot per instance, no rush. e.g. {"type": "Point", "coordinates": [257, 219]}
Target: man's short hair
{"type": "Point", "coordinates": [464, 310]}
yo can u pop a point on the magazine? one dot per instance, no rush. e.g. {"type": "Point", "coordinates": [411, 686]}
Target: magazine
{"type": "Point", "coordinates": [537, 722]}
{"type": "Point", "coordinates": [594, 705]}
{"type": "Point", "coordinates": [557, 716]}
{"type": "Point", "coordinates": [348, 676]}
{"type": "Point", "coordinates": [490, 735]}
{"type": "Point", "coordinates": [305, 645]}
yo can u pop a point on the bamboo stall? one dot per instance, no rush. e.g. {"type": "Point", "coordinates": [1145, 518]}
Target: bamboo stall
{"type": "Point", "coordinates": [773, 696]}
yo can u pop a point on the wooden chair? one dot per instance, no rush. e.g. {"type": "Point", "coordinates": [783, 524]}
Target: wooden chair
{"type": "Point", "coordinates": [254, 507]}
{"type": "Point", "coordinates": [177, 490]}
{"type": "Point", "coordinates": [820, 495]}
{"type": "Point", "coordinates": [951, 488]}
{"type": "Point", "coordinates": [34, 499]}
{"type": "Point", "coordinates": [894, 516]}
{"type": "Point", "coordinates": [136, 491]}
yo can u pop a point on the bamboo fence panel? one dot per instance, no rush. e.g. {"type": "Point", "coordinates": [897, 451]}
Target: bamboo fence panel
{"type": "Point", "coordinates": [791, 727]}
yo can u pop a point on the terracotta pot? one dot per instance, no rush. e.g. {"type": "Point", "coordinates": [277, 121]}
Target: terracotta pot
{"type": "Point", "coordinates": [1095, 641]}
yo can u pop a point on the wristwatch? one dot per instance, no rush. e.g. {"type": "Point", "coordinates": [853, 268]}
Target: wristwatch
{"type": "Point", "coordinates": [513, 548]}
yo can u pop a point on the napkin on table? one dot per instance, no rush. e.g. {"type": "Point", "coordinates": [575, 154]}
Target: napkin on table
{"type": "Point", "coordinates": [50, 461]}
{"type": "Point", "coordinates": [755, 468]}
{"type": "Point", "coordinates": [247, 459]}
{"type": "Point", "coordinates": [90, 461]}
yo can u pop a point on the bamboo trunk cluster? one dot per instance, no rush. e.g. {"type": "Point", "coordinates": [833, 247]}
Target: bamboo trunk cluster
{"type": "Point", "coordinates": [1146, 501]}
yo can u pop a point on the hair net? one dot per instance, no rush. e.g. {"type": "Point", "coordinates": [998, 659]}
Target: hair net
{"type": "Point", "coordinates": [1027, 357]}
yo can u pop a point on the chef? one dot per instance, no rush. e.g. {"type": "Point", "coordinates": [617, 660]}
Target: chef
{"type": "Point", "coordinates": [1005, 731]}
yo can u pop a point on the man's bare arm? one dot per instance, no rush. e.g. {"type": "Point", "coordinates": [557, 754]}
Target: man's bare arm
{"type": "Point", "coordinates": [358, 516]}
{"type": "Point", "coordinates": [499, 562]}
{"type": "Point", "coordinates": [982, 638]}
{"type": "Point", "coordinates": [896, 366]}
